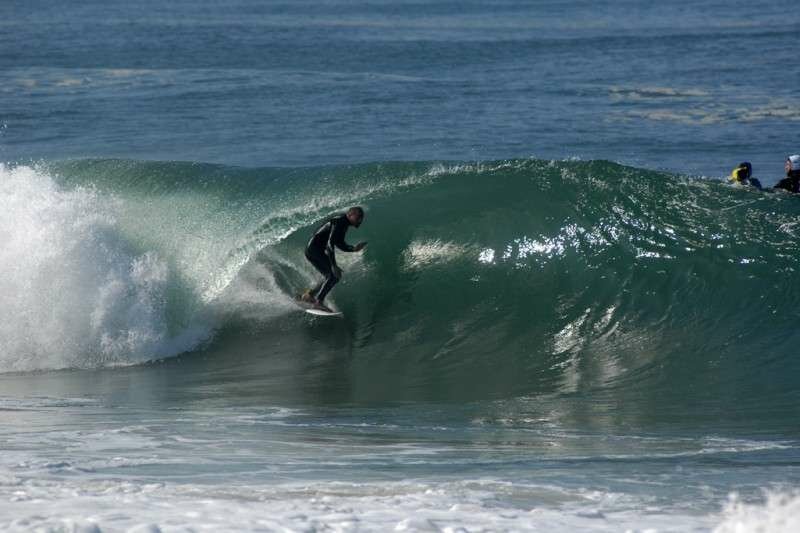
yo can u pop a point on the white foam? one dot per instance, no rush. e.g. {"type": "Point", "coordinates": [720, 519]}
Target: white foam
{"type": "Point", "coordinates": [780, 513]}
{"type": "Point", "coordinates": [73, 291]}
{"type": "Point", "coordinates": [110, 505]}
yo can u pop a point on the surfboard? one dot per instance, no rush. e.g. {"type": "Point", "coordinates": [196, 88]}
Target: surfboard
{"type": "Point", "coordinates": [321, 312]}
{"type": "Point", "coordinates": [316, 311]}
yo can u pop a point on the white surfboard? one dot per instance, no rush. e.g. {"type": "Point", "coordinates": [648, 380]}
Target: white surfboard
{"type": "Point", "coordinates": [322, 312]}
{"type": "Point", "coordinates": [311, 310]}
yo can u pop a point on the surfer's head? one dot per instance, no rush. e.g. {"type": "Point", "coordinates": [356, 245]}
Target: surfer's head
{"type": "Point", "coordinates": [742, 173]}
{"type": "Point", "coordinates": [355, 215]}
{"type": "Point", "coordinates": [792, 165]}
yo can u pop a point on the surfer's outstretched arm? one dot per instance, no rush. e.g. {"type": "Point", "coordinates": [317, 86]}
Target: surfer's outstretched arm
{"type": "Point", "coordinates": [338, 231]}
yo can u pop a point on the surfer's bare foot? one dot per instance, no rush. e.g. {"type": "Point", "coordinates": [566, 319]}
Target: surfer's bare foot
{"type": "Point", "coordinates": [306, 297]}
{"type": "Point", "coordinates": [322, 307]}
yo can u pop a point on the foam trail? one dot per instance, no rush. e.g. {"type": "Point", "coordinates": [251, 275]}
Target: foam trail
{"type": "Point", "coordinates": [75, 293]}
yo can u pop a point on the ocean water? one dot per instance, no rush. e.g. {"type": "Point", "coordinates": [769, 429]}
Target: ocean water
{"type": "Point", "coordinates": [565, 319]}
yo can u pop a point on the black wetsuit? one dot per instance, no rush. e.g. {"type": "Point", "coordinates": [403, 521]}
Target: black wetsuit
{"type": "Point", "coordinates": [753, 182]}
{"type": "Point", "coordinates": [321, 254]}
{"type": "Point", "coordinates": [790, 183]}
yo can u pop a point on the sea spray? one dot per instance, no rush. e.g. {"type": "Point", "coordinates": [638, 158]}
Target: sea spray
{"type": "Point", "coordinates": [75, 293]}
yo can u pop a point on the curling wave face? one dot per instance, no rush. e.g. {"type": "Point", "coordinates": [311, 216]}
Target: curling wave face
{"type": "Point", "coordinates": [490, 280]}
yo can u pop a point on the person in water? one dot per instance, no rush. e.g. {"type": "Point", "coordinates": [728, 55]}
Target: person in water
{"type": "Point", "coordinates": [791, 182]}
{"type": "Point", "coordinates": [743, 175]}
{"type": "Point", "coordinates": [320, 253]}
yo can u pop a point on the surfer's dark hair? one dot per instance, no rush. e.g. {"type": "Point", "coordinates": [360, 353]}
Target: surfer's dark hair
{"type": "Point", "coordinates": [356, 209]}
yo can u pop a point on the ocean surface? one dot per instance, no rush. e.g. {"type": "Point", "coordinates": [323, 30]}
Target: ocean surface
{"type": "Point", "coordinates": [565, 319]}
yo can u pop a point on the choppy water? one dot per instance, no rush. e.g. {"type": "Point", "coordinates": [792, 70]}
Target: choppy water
{"type": "Point", "coordinates": [557, 325]}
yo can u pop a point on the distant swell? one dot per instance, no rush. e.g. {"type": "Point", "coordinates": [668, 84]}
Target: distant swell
{"type": "Point", "coordinates": [508, 277]}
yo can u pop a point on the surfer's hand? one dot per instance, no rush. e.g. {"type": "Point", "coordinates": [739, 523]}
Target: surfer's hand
{"type": "Point", "coordinates": [360, 246]}
{"type": "Point", "coordinates": [337, 272]}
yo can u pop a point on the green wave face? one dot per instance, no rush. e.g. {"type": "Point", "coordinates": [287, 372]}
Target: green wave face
{"type": "Point", "coordinates": [491, 280]}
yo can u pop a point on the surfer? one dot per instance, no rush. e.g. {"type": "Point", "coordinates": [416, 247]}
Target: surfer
{"type": "Point", "coordinates": [743, 175]}
{"type": "Point", "coordinates": [320, 253]}
{"type": "Point", "coordinates": [791, 182]}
